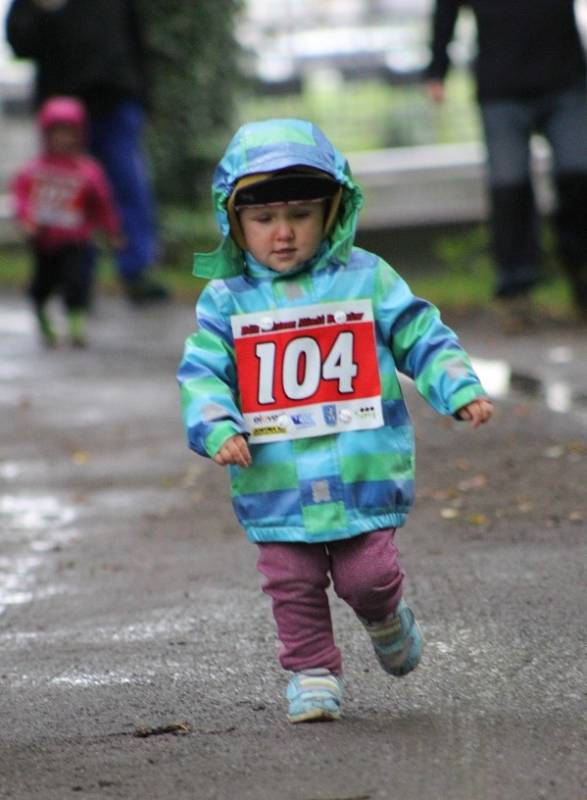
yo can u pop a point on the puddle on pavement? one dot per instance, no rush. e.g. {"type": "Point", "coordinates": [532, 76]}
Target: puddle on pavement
{"type": "Point", "coordinates": [10, 470]}
{"type": "Point", "coordinates": [502, 380]}
{"type": "Point", "coordinates": [10, 371]}
{"type": "Point", "coordinates": [14, 577]}
{"type": "Point", "coordinates": [31, 526]}
{"type": "Point", "coordinates": [42, 513]}
{"type": "Point", "coordinates": [17, 321]}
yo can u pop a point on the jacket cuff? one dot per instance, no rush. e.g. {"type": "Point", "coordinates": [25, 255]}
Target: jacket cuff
{"type": "Point", "coordinates": [465, 396]}
{"type": "Point", "coordinates": [219, 434]}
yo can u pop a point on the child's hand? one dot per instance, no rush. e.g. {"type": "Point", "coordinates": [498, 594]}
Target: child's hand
{"type": "Point", "coordinates": [234, 451]}
{"type": "Point", "coordinates": [477, 413]}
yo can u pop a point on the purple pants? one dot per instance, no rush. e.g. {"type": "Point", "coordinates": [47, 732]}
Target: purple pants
{"type": "Point", "coordinates": [365, 573]}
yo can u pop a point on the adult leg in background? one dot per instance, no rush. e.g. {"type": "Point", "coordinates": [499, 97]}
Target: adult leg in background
{"type": "Point", "coordinates": [508, 127]}
{"type": "Point", "coordinates": [115, 140]}
{"type": "Point", "coordinates": [564, 124]}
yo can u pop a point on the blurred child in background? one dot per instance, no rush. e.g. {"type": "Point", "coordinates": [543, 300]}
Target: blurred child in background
{"type": "Point", "coordinates": [61, 197]}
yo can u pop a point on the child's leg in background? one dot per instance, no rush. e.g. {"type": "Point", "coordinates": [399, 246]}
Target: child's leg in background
{"type": "Point", "coordinates": [366, 573]}
{"type": "Point", "coordinates": [45, 280]}
{"type": "Point", "coordinates": [76, 285]}
{"type": "Point", "coordinates": [296, 579]}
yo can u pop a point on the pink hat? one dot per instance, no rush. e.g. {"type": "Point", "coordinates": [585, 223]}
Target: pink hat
{"type": "Point", "coordinates": [63, 111]}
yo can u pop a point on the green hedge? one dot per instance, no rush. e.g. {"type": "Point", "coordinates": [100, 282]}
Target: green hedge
{"type": "Point", "coordinates": [194, 82]}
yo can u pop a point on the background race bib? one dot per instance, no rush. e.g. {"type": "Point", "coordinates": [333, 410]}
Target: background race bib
{"type": "Point", "coordinates": [58, 200]}
{"type": "Point", "coordinates": [308, 371]}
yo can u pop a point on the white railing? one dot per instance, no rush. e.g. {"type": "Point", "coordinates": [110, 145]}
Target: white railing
{"type": "Point", "coordinates": [434, 184]}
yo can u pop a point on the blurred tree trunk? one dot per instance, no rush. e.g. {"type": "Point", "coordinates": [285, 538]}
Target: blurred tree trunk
{"type": "Point", "coordinates": [193, 79]}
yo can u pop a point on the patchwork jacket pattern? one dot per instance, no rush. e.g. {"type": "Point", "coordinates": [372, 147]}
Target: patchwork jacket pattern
{"type": "Point", "coordinates": [333, 486]}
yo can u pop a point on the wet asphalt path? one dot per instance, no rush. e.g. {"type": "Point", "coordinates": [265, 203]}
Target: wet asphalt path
{"type": "Point", "coordinates": [137, 652]}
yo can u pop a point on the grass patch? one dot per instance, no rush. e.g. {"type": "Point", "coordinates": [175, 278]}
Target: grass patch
{"type": "Point", "coordinates": [14, 267]}
{"type": "Point", "coordinates": [468, 276]}
{"type": "Point", "coordinates": [468, 291]}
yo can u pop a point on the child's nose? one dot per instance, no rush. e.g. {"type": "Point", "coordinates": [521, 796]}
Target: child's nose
{"type": "Point", "coordinates": [285, 230]}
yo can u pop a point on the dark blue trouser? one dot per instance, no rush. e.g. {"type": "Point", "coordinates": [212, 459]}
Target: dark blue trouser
{"type": "Point", "coordinates": [508, 125]}
{"type": "Point", "coordinates": [115, 140]}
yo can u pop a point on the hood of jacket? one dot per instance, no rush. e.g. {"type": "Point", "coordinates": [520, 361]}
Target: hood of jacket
{"type": "Point", "coordinates": [270, 146]}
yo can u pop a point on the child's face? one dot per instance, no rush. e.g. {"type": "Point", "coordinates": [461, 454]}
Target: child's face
{"type": "Point", "coordinates": [283, 236]}
{"type": "Point", "coordinates": [63, 140]}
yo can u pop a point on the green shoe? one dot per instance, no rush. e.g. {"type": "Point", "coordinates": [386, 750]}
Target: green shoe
{"type": "Point", "coordinates": [48, 332]}
{"type": "Point", "coordinates": [77, 328]}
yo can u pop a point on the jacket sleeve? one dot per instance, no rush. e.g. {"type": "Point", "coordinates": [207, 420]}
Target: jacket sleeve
{"type": "Point", "coordinates": [424, 348]}
{"type": "Point", "coordinates": [207, 379]}
{"type": "Point", "coordinates": [443, 25]}
{"type": "Point", "coordinates": [20, 192]}
{"type": "Point", "coordinates": [24, 28]}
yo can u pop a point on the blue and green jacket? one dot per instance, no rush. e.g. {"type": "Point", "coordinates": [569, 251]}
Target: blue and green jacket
{"type": "Point", "coordinates": [338, 485]}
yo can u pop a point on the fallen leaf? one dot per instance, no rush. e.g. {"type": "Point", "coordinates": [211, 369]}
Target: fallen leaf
{"type": "Point", "coordinates": [476, 482]}
{"type": "Point", "coordinates": [445, 494]}
{"type": "Point", "coordinates": [80, 457]}
{"type": "Point", "coordinates": [192, 476]}
{"type": "Point", "coordinates": [449, 513]}
{"type": "Point", "coordinates": [354, 797]}
{"type": "Point", "coordinates": [175, 728]}
{"type": "Point", "coordinates": [478, 519]}
{"type": "Point", "coordinates": [557, 451]}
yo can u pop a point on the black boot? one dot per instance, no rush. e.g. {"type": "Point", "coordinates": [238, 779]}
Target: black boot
{"type": "Point", "coordinates": [514, 228]}
{"type": "Point", "coordinates": [572, 233]}
{"type": "Point", "coordinates": [577, 276]}
{"type": "Point", "coordinates": [143, 290]}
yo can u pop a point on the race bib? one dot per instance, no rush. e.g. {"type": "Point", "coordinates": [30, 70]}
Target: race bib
{"type": "Point", "coordinates": [308, 371]}
{"type": "Point", "coordinates": [58, 200]}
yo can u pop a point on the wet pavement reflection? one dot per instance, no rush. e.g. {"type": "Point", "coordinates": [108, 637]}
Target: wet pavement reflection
{"type": "Point", "coordinates": [559, 395]}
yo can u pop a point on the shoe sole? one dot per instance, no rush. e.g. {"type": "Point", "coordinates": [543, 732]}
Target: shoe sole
{"type": "Point", "coordinates": [314, 715]}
